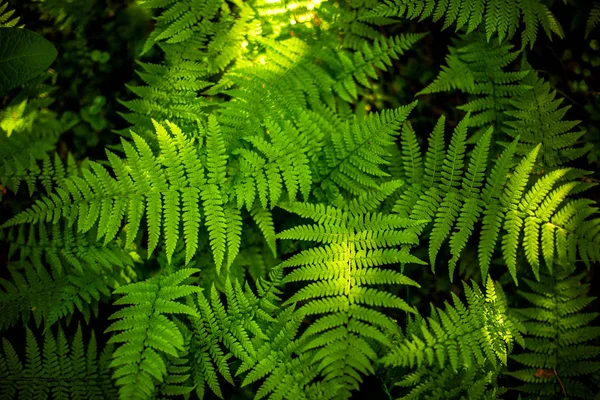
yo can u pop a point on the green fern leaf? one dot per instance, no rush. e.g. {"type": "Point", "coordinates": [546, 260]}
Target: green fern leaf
{"type": "Point", "coordinates": [146, 333]}
{"type": "Point", "coordinates": [500, 17]}
{"type": "Point", "coordinates": [60, 371]}
{"type": "Point", "coordinates": [592, 20]}
{"type": "Point", "coordinates": [559, 341]}
{"type": "Point", "coordinates": [338, 272]}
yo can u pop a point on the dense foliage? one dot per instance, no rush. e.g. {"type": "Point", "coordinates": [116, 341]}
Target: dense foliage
{"type": "Point", "coordinates": [299, 199]}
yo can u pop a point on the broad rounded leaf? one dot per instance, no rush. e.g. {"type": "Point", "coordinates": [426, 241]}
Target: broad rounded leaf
{"type": "Point", "coordinates": [23, 55]}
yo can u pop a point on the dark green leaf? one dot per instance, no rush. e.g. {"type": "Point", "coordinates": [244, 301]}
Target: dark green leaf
{"type": "Point", "coordinates": [23, 55]}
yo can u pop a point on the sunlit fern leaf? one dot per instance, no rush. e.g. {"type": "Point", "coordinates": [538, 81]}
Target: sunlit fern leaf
{"type": "Point", "coordinates": [7, 20]}
{"type": "Point", "coordinates": [522, 209]}
{"type": "Point", "coordinates": [493, 213]}
{"type": "Point", "coordinates": [411, 155]}
{"type": "Point", "coordinates": [451, 176]}
{"type": "Point", "coordinates": [181, 21]}
{"type": "Point", "coordinates": [459, 336]}
{"type": "Point", "coordinates": [165, 188]}
{"type": "Point", "coordinates": [59, 371]}
{"type": "Point", "coordinates": [264, 220]}
{"type": "Point", "coordinates": [356, 68]}
{"type": "Point", "coordinates": [211, 196]}
{"type": "Point", "coordinates": [146, 333]}
{"type": "Point", "coordinates": [339, 273]}
{"type": "Point", "coordinates": [226, 44]}
{"type": "Point", "coordinates": [368, 202]}
{"type": "Point", "coordinates": [277, 86]}
{"type": "Point", "coordinates": [292, 77]}
{"type": "Point", "coordinates": [270, 166]}
{"type": "Point", "coordinates": [28, 129]}
{"type": "Point", "coordinates": [510, 199]}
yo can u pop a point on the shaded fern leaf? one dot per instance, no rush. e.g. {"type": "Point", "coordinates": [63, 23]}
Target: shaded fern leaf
{"type": "Point", "coordinates": [33, 293]}
{"type": "Point", "coordinates": [49, 174]}
{"type": "Point", "coordinates": [356, 153]}
{"type": "Point", "coordinates": [478, 68]}
{"type": "Point", "coordinates": [464, 383]}
{"type": "Point", "coordinates": [500, 18]}
{"type": "Point", "coordinates": [473, 337]}
{"type": "Point", "coordinates": [58, 272]}
{"type": "Point", "coordinates": [62, 247]}
{"type": "Point", "coordinates": [537, 119]}
{"type": "Point", "coordinates": [592, 20]}
{"type": "Point", "coordinates": [240, 333]}
{"type": "Point", "coordinates": [560, 352]}
{"type": "Point", "coordinates": [60, 371]}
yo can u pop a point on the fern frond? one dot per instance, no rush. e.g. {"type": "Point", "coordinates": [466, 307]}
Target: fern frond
{"type": "Point", "coordinates": [537, 119]}
{"type": "Point", "coordinates": [357, 67]}
{"type": "Point", "coordinates": [291, 77]}
{"type": "Point", "coordinates": [272, 165]}
{"type": "Point", "coordinates": [169, 93]}
{"type": "Point", "coordinates": [559, 345]}
{"type": "Point", "coordinates": [33, 293]}
{"type": "Point", "coordinates": [59, 247]}
{"type": "Point", "coordinates": [451, 172]}
{"type": "Point", "coordinates": [286, 374]}
{"type": "Point", "coordinates": [264, 220]}
{"type": "Point", "coordinates": [473, 204]}
{"type": "Point", "coordinates": [464, 383]}
{"type": "Point", "coordinates": [354, 246]}
{"type": "Point", "coordinates": [501, 18]}
{"type": "Point", "coordinates": [507, 198]}
{"type": "Point", "coordinates": [459, 336]}
{"type": "Point", "coordinates": [182, 22]}
{"type": "Point", "coordinates": [478, 68]}
{"type": "Point", "coordinates": [177, 380]}
{"type": "Point", "coordinates": [150, 185]}
{"type": "Point", "coordinates": [253, 329]}
{"type": "Point", "coordinates": [592, 20]}
{"type": "Point", "coordinates": [50, 172]}
{"type": "Point", "coordinates": [59, 272]}
{"type": "Point", "coordinates": [7, 20]}
{"type": "Point", "coordinates": [357, 152]}
{"type": "Point", "coordinates": [211, 196]}
{"type": "Point", "coordinates": [60, 371]}
{"type": "Point", "coordinates": [146, 333]}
